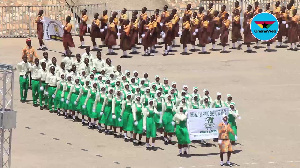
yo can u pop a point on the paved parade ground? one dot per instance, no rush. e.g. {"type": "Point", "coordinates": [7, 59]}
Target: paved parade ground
{"type": "Point", "coordinates": [264, 86]}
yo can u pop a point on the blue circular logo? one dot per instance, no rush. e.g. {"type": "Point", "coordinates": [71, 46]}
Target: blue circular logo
{"type": "Point", "coordinates": [264, 26]}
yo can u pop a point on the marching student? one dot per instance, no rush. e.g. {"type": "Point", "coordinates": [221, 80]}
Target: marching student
{"type": "Point", "coordinates": [111, 37]}
{"type": "Point", "coordinates": [107, 118]}
{"type": "Point", "coordinates": [46, 60]}
{"type": "Point", "coordinates": [175, 26]}
{"type": "Point", "coordinates": [195, 103]}
{"type": "Point", "coordinates": [42, 86]}
{"type": "Point", "coordinates": [158, 104]}
{"type": "Point", "coordinates": [168, 113]}
{"type": "Point", "coordinates": [35, 81]}
{"type": "Point", "coordinates": [81, 100]}
{"type": "Point", "coordinates": [127, 117]}
{"type": "Point", "coordinates": [188, 12]}
{"type": "Point", "coordinates": [68, 61]}
{"type": "Point", "coordinates": [125, 41]}
{"type": "Point", "coordinates": [194, 30]}
{"type": "Point", "coordinates": [204, 34]}
{"type": "Point", "coordinates": [103, 27]}
{"type": "Point", "coordinates": [66, 91]}
{"type": "Point", "coordinates": [182, 134]}
{"type": "Point", "coordinates": [282, 18]}
{"type": "Point", "coordinates": [236, 28]}
{"type": "Point", "coordinates": [90, 100]}
{"type": "Point", "coordinates": [23, 68]}
{"type": "Point", "coordinates": [166, 87]}
{"type": "Point", "coordinates": [293, 30]}
{"type": "Point", "coordinates": [218, 103]}
{"type": "Point", "coordinates": [149, 124]}
{"type": "Point", "coordinates": [122, 18]}
{"type": "Point", "coordinates": [137, 112]}
{"type": "Point", "coordinates": [248, 37]}
{"type": "Point", "coordinates": [88, 55]}
{"type": "Point", "coordinates": [214, 28]}
{"type": "Point", "coordinates": [225, 32]}
{"type": "Point", "coordinates": [40, 30]}
{"type": "Point", "coordinates": [185, 36]}
{"type": "Point", "coordinates": [228, 100]}
{"type": "Point", "coordinates": [116, 113]}
{"type": "Point", "coordinates": [51, 81]}
{"type": "Point", "coordinates": [74, 106]}
{"type": "Point", "coordinates": [58, 95]}
{"type": "Point", "coordinates": [100, 96]}
{"type": "Point", "coordinates": [142, 22]}
{"type": "Point", "coordinates": [224, 143]}
{"type": "Point", "coordinates": [167, 35]}
{"type": "Point", "coordinates": [232, 116]}
{"type": "Point", "coordinates": [134, 33]}
{"type": "Point", "coordinates": [67, 37]}
{"type": "Point", "coordinates": [95, 30]}
{"type": "Point", "coordinates": [165, 14]}
{"type": "Point", "coordinates": [83, 27]}
{"type": "Point", "coordinates": [98, 63]}
{"type": "Point", "coordinates": [195, 93]}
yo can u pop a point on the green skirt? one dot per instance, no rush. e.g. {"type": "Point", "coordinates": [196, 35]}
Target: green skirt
{"type": "Point", "coordinates": [139, 128]}
{"type": "Point", "coordinates": [116, 122]}
{"type": "Point", "coordinates": [128, 121]}
{"type": "Point", "coordinates": [150, 128]}
{"type": "Point", "coordinates": [83, 111]}
{"type": "Point", "coordinates": [89, 107]}
{"type": "Point", "coordinates": [182, 134]}
{"type": "Point", "coordinates": [72, 106]}
{"type": "Point", "coordinates": [167, 122]}
{"type": "Point", "coordinates": [106, 119]}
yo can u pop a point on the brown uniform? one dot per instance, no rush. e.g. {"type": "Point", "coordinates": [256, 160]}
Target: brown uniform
{"type": "Point", "coordinates": [224, 32]}
{"type": "Point", "coordinates": [67, 37]}
{"type": "Point", "coordinates": [203, 34]}
{"type": "Point", "coordinates": [40, 29]}
{"type": "Point", "coordinates": [186, 35]}
{"type": "Point", "coordinates": [248, 37]}
{"type": "Point", "coordinates": [282, 27]}
{"type": "Point", "coordinates": [293, 29]}
{"type": "Point", "coordinates": [104, 21]}
{"type": "Point", "coordinates": [164, 15]}
{"type": "Point", "coordinates": [175, 23]}
{"type": "Point", "coordinates": [194, 25]}
{"type": "Point", "coordinates": [168, 27]}
{"type": "Point", "coordinates": [125, 38]}
{"type": "Point", "coordinates": [83, 25]}
{"type": "Point", "coordinates": [111, 36]}
{"type": "Point", "coordinates": [134, 33]}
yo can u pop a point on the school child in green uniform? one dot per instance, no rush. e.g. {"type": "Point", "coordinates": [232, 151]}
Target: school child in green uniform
{"type": "Point", "coordinates": [218, 103]}
{"type": "Point", "coordinates": [232, 116]}
{"type": "Point", "coordinates": [107, 119]}
{"type": "Point", "coordinates": [23, 68]}
{"type": "Point", "coordinates": [149, 124]}
{"type": "Point", "coordinates": [81, 100]}
{"type": "Point", "coordinates": [66, 91]}
{"type": "Point", "coordinates": [127, 117]}
{"type": "Point", "coordinates": [51, 81]}
{"type": "Point", "coordinates": [42, 96]}
{"type": "Point", "coordinates": [98, 105]}
{"type": "Point", "coordinates": [90, 100]}
{"type": "Point", "coordinates": [72, 99]}
{"type": "Point", "coordinates": [137, 111]}
{"type": "Point", "coordinates": [116, 113]}
{"type": "Point", "coordinates": [166, 87]}
{"type": "Point", "coordinates": [145, 97]}
{"type": "Point", "coordinates": [58, 95]}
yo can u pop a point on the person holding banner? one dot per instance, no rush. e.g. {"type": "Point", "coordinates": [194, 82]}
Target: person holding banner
{"type": "Point", "coordinates": [182, 133]}
{"type": "Point", "coordinates": [67, 37]}
{"type": "Point", "coordinates": [83, 27]}
{"type": "Point", "coordinates": [224, 143]}
{"type": "Point", "coordinates": [233, 114]}
{"type": "Point", "coordinates": [40, 30]}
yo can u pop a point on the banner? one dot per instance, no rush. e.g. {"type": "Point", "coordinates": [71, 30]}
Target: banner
{"type": "Point", "coordinates": [52, 29]}
{"type": "Point", "coordinates": [203, 123]}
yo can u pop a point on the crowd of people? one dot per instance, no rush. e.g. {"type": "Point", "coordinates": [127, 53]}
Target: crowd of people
{"type": "Point", "coordinates": [164, 27]}
{"type": "Point", "coordinates": [115, 102]}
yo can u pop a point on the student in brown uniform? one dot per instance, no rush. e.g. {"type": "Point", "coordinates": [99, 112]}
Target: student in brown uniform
{"type": "Point", "coordinates": [167, 34]}
{"type": "Point", "coordinates": [123, 17]}
{"type": "Point", "coordinates": [165, 14]}
{"type": "Point", "coordinates": [188, 11]}
{"type": "Point", "coordinates": [67, 37]}
{"type": "Point", "coordinates": [248, 37]}
{"type": "Point", "coordinates": [95, 31]}
{"type": "Point", "coordinates": [194, 31]}
{"type": "Point", "coordinates": [225, 32]}
{"type": "Point", "coordinates": [282, 18]}
{"type": "Point", "coordinates": [158, 28]}
{"type": "Point", "coordinates": [210, 11]}
{"type": "Point", "coordinates": [148, 36]}
{"type": "Point", "coordinates": [175, 22]}
{"type": "Point", "coordinates": [111, 37]}
{"type": "Point", "coordinates": [214, 29]}
{"type": "Point", "coordinates": [274, 39]}
{"type": "Point", "coordinates": [256, 11]}
{"type": "Point", "coordinates": [83, 27]}
{"type": "Point", "coordinates": [134, 33]}
{"type": "Point", "coordinates": [293, 30]}
{"type": "Point", "coordinates": [142, 22]}
{"type": "Point", "coordinates": [40, 30]}
{"type": "Point", "coordinates": [103, 27]}
{"type": "Point", "coordinates": [186, 35]}
{"type": "Point", "coordinates": [236, 27]}
{"type": "Point", "coordinates": [155, 20]}
{"type": "Point", "coordinates": [125, 38]}
{"type": "Point", "coordinates": [203, 35]}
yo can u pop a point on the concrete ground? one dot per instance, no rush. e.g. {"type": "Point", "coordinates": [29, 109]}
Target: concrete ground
{"type": "Point", "coordinates": [265, 87]}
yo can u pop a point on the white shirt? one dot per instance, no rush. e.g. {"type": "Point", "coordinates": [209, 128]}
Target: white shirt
{"type": "Point", "coordinates": [46, 61]}
{"type": "Point", "coordinates": [51, 79]}
{"type": "Point", "coordinates": [43, 74]}
{"type": "Point", "coordinates": [68, 62]}
{"type": "Point", "coordinates": [98, 64]}
{"type": "Point", "coordinates": [35, 72]}
{"type": "Point", "coordinates": [23, 67]}
{"type": "Point", "coordinates": [90, 57]}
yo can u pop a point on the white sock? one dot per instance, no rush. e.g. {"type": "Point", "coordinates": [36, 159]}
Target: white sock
{"type": "Point", "coordinates": [166, 51]}
{"type": "Point", "coordinates": [166, 139]}
{"type": "Point", "coordinates": [228, 162]}
{"type": "Point", "coordinates": [153, 48]}
{"type": "Point", "coordinates": [185, 49]}
{"type": "Point", "coordinates": [180, 150]}
{"type": "Point", "coordinates": [146, 52]}
{"type": "Point", "coordinates": [73, 117]}
{"type": "Point", "coordinates": [147, 145]}
{"type": "Point", "coordinates": [112, 50]}
{"type": "Point", "coordinates": [224, 49]}
{"type": "Point", "coordinates": [90, 124]}
{"type": "Point", "coordinates": [140, 40]}
{"type": "Point", "coordinates": [125, 135]}
{"type": "Point", "coordinates": [292, 45]}
{"type": "Point", "coordinates": [161, 135]}
{"type": "Point", "coordinates": [295, 45]}
{"type": "Point", "coordinates": [82, 43]}
{"type": "Point", "coordinates": [203, 49]}
{"type": "Point", "coordinates": [76, 114]}
{"type": "Point", "coordinates": [221, 163]}
{"type": "Point", "coordinates": [257, 43]}
{"type": "Point", "coordinates": [153, 145]}
{"type": "Point", "coordinates": [171, 47]}
{"type": "Point", "coordinates": [99, 127]}
{"type": "Point", "coordinates": [131, 135]}
{"type": "Point", "coordinates": [213, 46]}
{"type": "Point", "coordinates": [248, 48]}
{"type": "Point", "coordinates": [233, 45]}
{"type": "Point", "coordinates": [268, 47]}
{"type": "Point", "coordinates": [193, 47]}
{"type": "Point", "coordinates": [66, 113]}
{"type": "Point", "coordinates": [170, 138]}
{"type": "Point", "coordinates": [95, 46]}
{"type": "Point", "coordinates": [124, 53]}
{"type": "Point", "coordinates": [238, 42]}
{"type": "Point", "coordinates": [174, 42]}
{"type": "Point", "coordinates": [82, 120]}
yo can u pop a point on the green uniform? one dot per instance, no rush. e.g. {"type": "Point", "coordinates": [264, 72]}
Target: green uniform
{"type": "Point", "coordinates": [90, 104]}
{"type": "Point", "coordinates": [42, 95]}
{"type": "Point", "coordinates": [24, 84]}
{"type": "Point", "coordinates": [157, 116]}
{"type": "Point", "coordinates": [35, 85]}
{"type": "Point", "coordinates": [195, 105]}
{"type": "Point", "coordinates": [99, 107]}
{"type": "Point", "coordinates": [217, 104]}
{"type": "Point", "coordinates": [182, 133]}
{"type": "Point", "coordinates": [168, 118]}
{"type": "Point", "coordinates": [139, 118]}
{"type": "Point", "coordinates": [67, 91]}
{"type": "Point", "coordinates": [51, 91]}
{"type": "Point", "coordinates": [82, 100]}
{"type": "Point", "coordinates": [128, 118]}
{"type": "Point", "coordinates": [146, 101]}
{"type": "Point", "coordinates": [231, 121]}
{"type": "Point", "coordinates": [166, 89]}
{"type": "Point", "coordinates": [73, 98]}
{"type": "Point", "coordinates": [107, 113]}
{"type": "Point", "coordinates": [118, 109]}
{"type": "Point", "coordinates": [57, 102]}
{"type": "Point", "coordinates": [150, 124]}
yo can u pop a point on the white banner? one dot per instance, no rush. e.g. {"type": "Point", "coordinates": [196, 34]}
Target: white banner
{"type": "Point", "coordinates": [203, 123]}
{"type": "Point", "coordinates": [52, 29]}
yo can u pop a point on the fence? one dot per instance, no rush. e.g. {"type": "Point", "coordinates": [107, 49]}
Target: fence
{"type": "Point", "coordinates": [19, 21]}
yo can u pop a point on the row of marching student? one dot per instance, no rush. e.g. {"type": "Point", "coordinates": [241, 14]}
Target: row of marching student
{"type": "Point", "coordinates": [196, 27]}
{"type": "Point", "coordinates": [115, 102]}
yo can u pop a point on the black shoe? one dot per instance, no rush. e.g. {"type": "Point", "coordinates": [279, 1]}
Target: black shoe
{"type": "Point", "coordinates": [126, 139]}
{"type": "Point", "coordinates": [83, 123]}
{"type": "Point", "coordinates": [134, 52]}
{"type": "Point", "coordinates": [153, 148]}
{"type": "Point", "coordinates": [256, 47]}
{"type": "Point", "coordinates": [184, 53]}
{"type": "Point", "coordinates": [185, 153]}
{"type": "Point", "coordinates": [139, 142]}
{"type": "Point", "coordinates": [166, 142]}
{"type": "Point", "coordinates": [90, 127]}
{"type": "Point", "coordinates": [45, 48]}
{"type": "Point", "coordinates": [295, 49]}
{"type": "Point", "coordinates": [149, 148]}
{"type": "Point", "coordinates": [233, 48]}
{"type": "Point", "coordinates": [41, 108]}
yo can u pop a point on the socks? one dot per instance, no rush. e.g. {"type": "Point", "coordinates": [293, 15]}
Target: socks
{"type": "Point", "coordinates": [185, 49]}
{"type": "Point", "coordinates": [95, 46]}
{"type": "Point", "coordinates": [213, 46]}
{"type": "Point", "coordinates": [170, 138]}
{"type": "Point", "coordinates": [203, 49]}
{"type": "Point", "coordinates": [153, 145]}
{"type": "Point", "coordinates": [180, 151]}
{"type": "Point", "coordinates": [238, 42]}
{"type": "Point", "coordinates": [82, 43]}
{"type": "Point", "coordinates": [257, 43]}
{"type": "Point", "coordinates": [174, 42]}
{"type": "Point", "coordinates": [74, 117]}
{"type": "Point", "coordinates": [224, 49]}
{"type": "Point", "coordinates": [166, 51]}
{"type": "Point", "coordinates": [248, 48]}
{"type": "Point", "coordinates": [131, 135]}
{"type": "Point", "coordinates": [165, 138]}
{"type": "Point", "coordinates": [133, 49]}
{"type": "Point", "coordinates": [193, 47]}
{"type": "Point", "coordinates": [268, 47]}
{"type": "Point", "coordinates": [76, 114]}
{"type": "Point", "coordinates": [147, 145]}
{"type": "Point", "coordinates": [170, 47]}
{"type": "Point", "coordinates": [233, 45]}
{"type": "Point", "coordinates": [125, 135]}
{"type": "Point", "coordinates": [221, 163]}
{"type": "Point", "coordinates": [124, 53]}
{"type": "Point", "coordinates": [82, 120]}
{"type": "Point", "coordinates": [185, 149]}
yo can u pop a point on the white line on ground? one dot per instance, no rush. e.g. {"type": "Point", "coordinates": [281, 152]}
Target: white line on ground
{"type": "Point", "coordinates": [271, 162]}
